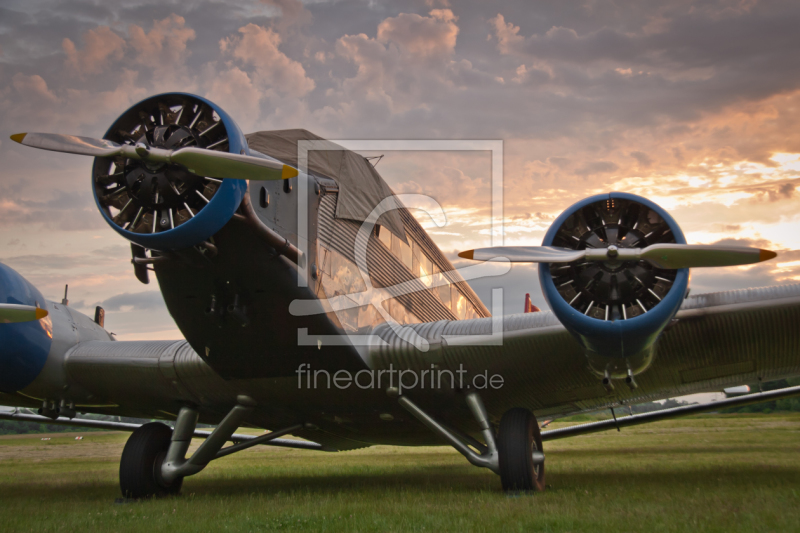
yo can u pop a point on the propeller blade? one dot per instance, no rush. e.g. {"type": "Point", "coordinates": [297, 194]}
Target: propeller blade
{"type": "Point", "coordinates": [209, 163]}
{"type": "Point", "coordinates": [668, 256]}
{"type": "Point", "coordinates": [227, 165]}
{"type": "Point", "coordinates": [673, 256]}
{"type": "Point", "coordinates": [70, 144]}
{"type": "Point", "coordinates": [10, 313]}
{"type": "Point", "coordinates": [525, 254]}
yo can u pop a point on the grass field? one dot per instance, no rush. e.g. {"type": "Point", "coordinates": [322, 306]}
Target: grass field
{"type": "Point", "coordinates": [724, 473]}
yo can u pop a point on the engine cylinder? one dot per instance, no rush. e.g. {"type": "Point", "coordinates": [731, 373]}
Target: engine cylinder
{"type": "Point", "coordinates": [616, 309]}
{"type": "Point", "coordinates": [165, 206]}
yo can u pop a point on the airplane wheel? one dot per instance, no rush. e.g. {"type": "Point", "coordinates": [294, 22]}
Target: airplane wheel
{"type": "Point", "coordinates": [517, 441]}
{"type": "Point", "coordinates": [142, 455]}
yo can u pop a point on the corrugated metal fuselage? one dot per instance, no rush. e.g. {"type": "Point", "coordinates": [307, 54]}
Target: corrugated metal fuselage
{"type": "Point", "coordinates": [233, 310]}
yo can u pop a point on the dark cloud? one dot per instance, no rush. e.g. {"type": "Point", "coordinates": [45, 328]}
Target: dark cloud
{"type": "Point", "coordinates": [65, 211]}
{"type": "Point", "coordinates": [643, 159]}
{"type": "Point", "coordinates": [139, 301]}
{"type": "Point", "coordinates": [597, 167]}
{"type": "Point", "coordinates": [755, 243]}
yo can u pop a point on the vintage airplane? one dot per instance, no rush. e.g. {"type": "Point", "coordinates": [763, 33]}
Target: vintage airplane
{"type": "Point", "coordinates": [294, 291]}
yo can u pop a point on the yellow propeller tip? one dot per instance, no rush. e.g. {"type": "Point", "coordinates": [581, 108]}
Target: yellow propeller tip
{"type": "Point", "coordinates": [40, 313]}
{"type": "Point", "coordinates": [18, 137]}
{"type": "Point", "coordinates": [467, 254]}
{"type": "Point", "coordinates": [288, 172]}
{"type": "Point", "coordinates": [766, 255]}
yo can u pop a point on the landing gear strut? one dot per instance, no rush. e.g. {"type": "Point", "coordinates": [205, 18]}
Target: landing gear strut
{"type": "Point", "coordinates": [516, 455]}
{"type": "Point", "coordinates": [154, 460]}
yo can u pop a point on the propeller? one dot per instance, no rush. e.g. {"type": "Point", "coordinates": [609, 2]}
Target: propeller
{"type": "Point", "coordinates": [10, 313]}
{"type": "Point", "coordinates": [210, 163]}
{"type": "Point", "coordinates": [662, 255]}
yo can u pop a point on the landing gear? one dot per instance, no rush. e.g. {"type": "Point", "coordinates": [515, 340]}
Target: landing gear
{"type": "Point", "coordinates": [154, 460]}
{"type": "Point", "coordinates": [519, 444]}
{"type": "Point", "coordinates": [140, 467]}
{"type": "Point", "coordinates": [516, 455]}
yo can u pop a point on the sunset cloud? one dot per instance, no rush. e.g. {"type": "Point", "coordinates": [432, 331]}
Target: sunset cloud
{"type": "Point", "coordinates": [257, 47]}
{"type": "Point", "coordinates": [694, 105]}
{"type": "Point", "coordinates": [101, 46]}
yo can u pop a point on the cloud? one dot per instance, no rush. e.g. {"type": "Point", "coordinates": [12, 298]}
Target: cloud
{"type": "Point", "coordinates": [508, 38]}
{"type": "Point", "coordinates": [257, 47]}
{"type": "Point", "coordinates": [643, 159]}
{"type": "Point", "coordinates": [692, 105]}
{"type": "Point", "coordinates": [753, 243]}
{"type": "Point", "coordinates": [33, 87]}
{"type": "Point", "coordinates": [140, 301]}
{"type": "Point", "coordinates": [165, 45]}
{"type": "Point", "coordinates": [101, 45]}
{"type": "Point", "coordinates": [597, 167]}
{"type": "Point", "coordinates": [406, 81]}
{"type": "Point", "coordinates": [293, 13]}
{"type": "Point", "coordinates": [65, 211]}
{"type": "Point", "coordinates": [422, 37]}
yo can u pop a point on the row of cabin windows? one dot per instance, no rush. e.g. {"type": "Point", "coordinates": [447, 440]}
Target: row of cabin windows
{"type": "Point", "coordinates": [428, 273]}
{"type": "Point", "coordinates": [338, 276]}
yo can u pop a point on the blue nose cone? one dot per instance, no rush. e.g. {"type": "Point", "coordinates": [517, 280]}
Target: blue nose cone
{"type": "Point", "coordinates": [23, 345]}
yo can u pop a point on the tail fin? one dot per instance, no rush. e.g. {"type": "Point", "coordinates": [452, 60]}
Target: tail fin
{"type": "Point", "coordinates": [529, 307]}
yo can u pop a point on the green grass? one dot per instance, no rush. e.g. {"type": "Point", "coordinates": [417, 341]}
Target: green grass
{"type": "Point", "coordinates": [721, 473]}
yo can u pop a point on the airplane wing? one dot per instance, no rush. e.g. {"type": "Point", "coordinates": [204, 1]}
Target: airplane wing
{"type": "Point", "coordinates": [717, 340]}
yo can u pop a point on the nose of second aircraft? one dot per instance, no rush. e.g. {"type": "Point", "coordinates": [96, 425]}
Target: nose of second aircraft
{"type": "Point", "coordinates": [23, 345]}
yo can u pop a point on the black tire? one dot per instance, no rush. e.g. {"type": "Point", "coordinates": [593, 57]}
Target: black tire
{"type": "Point", "coordinates": [517, 439]}
{"type": "Point", "coordinates": [143, 453]}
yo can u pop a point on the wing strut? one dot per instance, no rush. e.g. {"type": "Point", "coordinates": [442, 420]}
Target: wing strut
{"type": "Point", "coordinates": [125, 426]}
{"type": "Point", "coordinates": [675, 412]}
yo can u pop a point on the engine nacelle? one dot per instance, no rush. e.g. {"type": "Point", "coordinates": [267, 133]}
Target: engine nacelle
{"type": "Point", "coordinates": [166, 206]}
{"type": "Point", "coordinates": [25, 345]}
{"type": "Point", "coordinates": [615, 309]}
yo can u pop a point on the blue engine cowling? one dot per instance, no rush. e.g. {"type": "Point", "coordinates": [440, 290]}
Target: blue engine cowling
{"type": "Point", "coordinates": [25, 345]}
{"type": "Point", "coordinates": [166, 206]}
{"type": "Point", "coordinates": [616, 311]}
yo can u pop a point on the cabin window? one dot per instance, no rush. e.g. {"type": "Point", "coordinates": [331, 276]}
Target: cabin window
{"type": "Point", "coordinates": [428, 273]}
{"type": "Point", "coordinates": [403, 252]}
{"type": "Point", "coordinates": [441, 287]}
{"type": "Point", "coordinates": [345, 274]}
{"type": "Point", "coordinates": [385, 236]}
{"type": "Point", "coordinates": [399, 312]}
{"type": "Point", "coordinates": [459, 305]}
{"type": "Point", "coordinates": [368, 317]}
{"type": "Point", "coordinates": [340, 277]}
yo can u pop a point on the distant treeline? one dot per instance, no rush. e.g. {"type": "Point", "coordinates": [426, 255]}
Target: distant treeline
{"type": "Point", "coordinates": [787, 405]}
{"type": "Point", "coordinates": [14, 427]}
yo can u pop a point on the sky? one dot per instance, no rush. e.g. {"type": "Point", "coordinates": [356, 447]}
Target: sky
{"type": "Point", "coordinates": [692, 104]}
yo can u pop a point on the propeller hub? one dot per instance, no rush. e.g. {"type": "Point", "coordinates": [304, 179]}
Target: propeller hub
{"type": "Point", "coordinates": [152, 194]}
{"type": "Point", "coordinates": [611, 286]}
